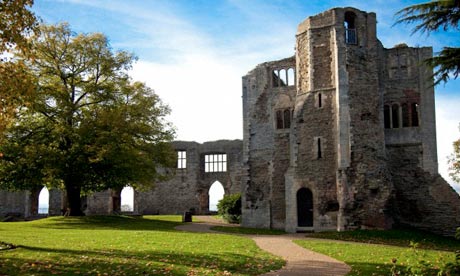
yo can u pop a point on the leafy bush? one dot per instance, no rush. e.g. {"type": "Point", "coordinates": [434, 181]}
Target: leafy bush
{"type": "Point", "coordinates": [230, 208]}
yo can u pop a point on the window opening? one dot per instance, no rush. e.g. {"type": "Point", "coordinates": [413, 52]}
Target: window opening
{"type": "Point", "coordinates": [287, 118]}
{"type": "Point", "coordinates": [43, 201]}
{"type": "Point", "coordinates": [283, 77]}
{"type": "Point", "coordinates": [279, 119]}
{"type": "Point", "coordinates": [415, 112]}
{"type": "Point", "coordinates": [276, 78]}
{"type": "Point", "coordinates": [386, 116]}
{"type": "Point", "coordinates": [181, 159]}
{"type": "Point", "coordinates": [405, 115]}
{"type": "Point", "coordinates": [350, 29]}
{"type": "Point", "coordinates": [320, 100]}
{"type": "Point", "coordinates": [395, 115]}
{"type": "Point", "coordinates": [215, 162]}
{"type": "Point", "coordinates": [319, 152]}
{"type": "Point", "coordinates": [127, 199]}
{"type": "Point", "coordinates": [216, 193]}
{"type": "Point", "coordinates": [290, 77]}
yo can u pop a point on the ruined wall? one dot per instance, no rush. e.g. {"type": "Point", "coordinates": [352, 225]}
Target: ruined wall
{"type": "Point", "coordinates": [268, 103]}
{"type": "Point", "coordinates": [189, 187]}
{"type": "Point", "coordinates": [13, 203]}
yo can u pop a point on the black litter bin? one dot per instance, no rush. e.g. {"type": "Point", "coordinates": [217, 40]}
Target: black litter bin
{"type": "Point", "coordinates": [187, 217]}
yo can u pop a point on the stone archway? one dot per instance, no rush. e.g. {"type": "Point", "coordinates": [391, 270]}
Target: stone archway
{"type": "Point", "coordinates": [216, 192]}
{"type": "Point", "coordinates": [43, 201]}
{"type": "Point", "coordinates": [304, 208]}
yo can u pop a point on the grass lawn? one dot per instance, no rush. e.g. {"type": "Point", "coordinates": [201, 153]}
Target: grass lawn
{"type": "Point", "coordinates": [247, 231]}
{"type": "Point", "coordinates": [372, 252]}
{"type": "Point", "coordinates": [111, 245]}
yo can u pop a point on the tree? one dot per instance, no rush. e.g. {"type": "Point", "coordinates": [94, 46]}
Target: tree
{"type": "Point", "coordinates": [16, 23]}
{"type": "Point", "coordinates": [430, 17]}
{"type": "Point", "coordinates": [454, 162]}
{"type": "Point", "coordinates": [89, 127]}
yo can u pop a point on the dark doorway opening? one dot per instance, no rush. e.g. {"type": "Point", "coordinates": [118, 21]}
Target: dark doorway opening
{"type": "Point", "coordinates": [304, 207]}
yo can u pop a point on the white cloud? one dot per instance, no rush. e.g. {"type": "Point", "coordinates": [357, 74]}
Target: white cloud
{"type": "Point", "coordinates": [447, 122]}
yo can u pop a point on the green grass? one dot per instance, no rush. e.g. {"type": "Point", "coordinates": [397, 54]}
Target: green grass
{"type": "Point", "coordinates": [120, 245]}
{"type": "Point", "coordinates": [393, 237]}
{"type": "Point", "coordinates": [373, 252]}
{"type": "Point", "coordinates": [247, 231]}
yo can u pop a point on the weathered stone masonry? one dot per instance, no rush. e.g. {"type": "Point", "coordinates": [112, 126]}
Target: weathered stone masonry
{"type": "Point", "coordinates": [360, 150]}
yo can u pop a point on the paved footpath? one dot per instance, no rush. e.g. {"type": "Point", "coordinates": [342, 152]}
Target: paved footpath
{"type": "Point", "coordinates": [299, 261]}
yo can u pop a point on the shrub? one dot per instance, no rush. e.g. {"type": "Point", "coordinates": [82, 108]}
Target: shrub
{"type": "Point", "coordinates": [230, 208]}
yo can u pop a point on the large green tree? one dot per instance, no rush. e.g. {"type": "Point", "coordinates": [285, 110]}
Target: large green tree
{"type": "Point", "coordinates": [89, 126]}
{"type": "Point", "coordinates": [433, 16]}
{"type": "Point", "coordinates": [16, 23]}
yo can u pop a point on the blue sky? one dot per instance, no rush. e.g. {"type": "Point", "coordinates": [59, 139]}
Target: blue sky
{"type": "Point", "coordinates": [194, 52]}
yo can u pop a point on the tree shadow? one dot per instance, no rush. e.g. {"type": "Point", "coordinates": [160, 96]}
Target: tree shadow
{"type": "Point", "coordinates": [119, 262]}
{"type": "Point", "coordinates": [109, 223]}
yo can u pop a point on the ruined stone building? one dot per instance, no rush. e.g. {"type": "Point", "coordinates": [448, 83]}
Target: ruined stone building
{"type": "Point", "coordinates": [342, 135]}
{"type": "Point", "coordinates": [199, 166]}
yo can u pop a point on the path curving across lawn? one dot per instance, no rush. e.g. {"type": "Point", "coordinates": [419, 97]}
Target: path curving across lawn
{"type": "Point", "coordinates": [299, 261]}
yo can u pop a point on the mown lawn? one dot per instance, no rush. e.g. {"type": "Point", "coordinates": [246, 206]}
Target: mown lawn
{"type": "Point", "coordinates": [378, 252]}
{"type": "Point", "coordinates": [247, 231]}
{"type": "Point", "coordinates": [118, 245]}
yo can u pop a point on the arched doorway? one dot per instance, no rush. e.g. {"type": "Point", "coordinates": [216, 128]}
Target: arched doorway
{"type": "Point", "coordinates": [216, 193]}
{"type": "Point", "coordinates": [43, 201]}
{"type": "Point", "coordinates": [127, 199]}
{"type": "Point", "coordinates": [304, 208]}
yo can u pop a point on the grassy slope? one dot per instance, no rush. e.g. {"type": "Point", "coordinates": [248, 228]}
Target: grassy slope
{"type": "Point", "coordinates": [372, 252]}
{"type": "Point", "coordinates": [125, 246]}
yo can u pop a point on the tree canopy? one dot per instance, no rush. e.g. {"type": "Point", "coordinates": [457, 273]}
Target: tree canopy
{"type": "Point", "coordinates": [16, 23]}
{"type": "Point", "coordinates": [89, 127]}
{"type": "Point", "coordinates": [434, 16]}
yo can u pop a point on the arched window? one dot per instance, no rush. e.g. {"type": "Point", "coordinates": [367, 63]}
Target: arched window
{"type": "Point", "coordinates": [127, 199]}
{"type": "Point", "coordinates": [405, 115]}
{"type": "Point", "coordinates": [386, 116]}
{"type": "Point", "coordinates": [283, 77]}
{"type": "Point", "coordinates": [350, 28]}
{"type": "Point", "coordinates": [414, 114]}
{"type": "Point", "coordinates": [287, 118]}
{"type": "Point", "coordinates": [216, 193]}
{"type": "Point", "coordinates": [276, 78]}
{"type": "Point", "coordinates": [395, 115]}
{"type": "Point", "coordinates": [43, 201]}
{"type": "Point", "coordinates": [291, 76]}
{"type": "Point", "coordinates": [279, 119]}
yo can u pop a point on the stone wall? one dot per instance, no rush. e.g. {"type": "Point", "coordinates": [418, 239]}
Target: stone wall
{"type": "Point", "coordinates": [188, 189]}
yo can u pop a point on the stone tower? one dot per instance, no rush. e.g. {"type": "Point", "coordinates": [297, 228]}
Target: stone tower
{"type": "Point", "coordinates": [335, 143]}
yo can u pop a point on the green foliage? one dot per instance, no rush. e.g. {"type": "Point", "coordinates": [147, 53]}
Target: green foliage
{"type": "Point", "coordinates": [430, 17]}
{"type": "Point", "coordinates": [89, 127]}
{"type": "Point", "coordinates": [121, 245]}
{"type": "Point", "coordinates": [230, 208]}
{"type": "Point", "coordinates": [454, 162]}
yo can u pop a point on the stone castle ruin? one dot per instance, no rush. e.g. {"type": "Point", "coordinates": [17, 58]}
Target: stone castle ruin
{"type": "Point", "coordinates": [340, 136]}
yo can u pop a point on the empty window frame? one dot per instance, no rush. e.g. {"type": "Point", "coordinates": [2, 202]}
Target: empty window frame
{"type": "Point", "coordinates": [350, 28]}
{"type": "Point", "coordinates": [283, 77]}
{"type": "Point", "coordinates": [387, 116]}
{"type": "Point", "coordinates": [405, 115]}
{"type": "Point", "coordinates": [415, 114]}
{"type": "Point", "coordinates": [319, 149]}
{"type": "Point", "coordinates": [215, 162]}
{"type": "Point", "coordinates": [181, 159]}
{"type": "Point", "coordinates": [283, 118]}
{"type": "Point", "coordinates": [320, 100]}
{"type": "Point", "coordinates": [395, 115]}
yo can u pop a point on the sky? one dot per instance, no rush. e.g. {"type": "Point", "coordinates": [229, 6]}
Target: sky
{"type": "Point", "coordinates": [193, 53]}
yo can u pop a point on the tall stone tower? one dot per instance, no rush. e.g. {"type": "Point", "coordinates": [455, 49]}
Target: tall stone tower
{"type": "Point", "coordinates": [346, 140]}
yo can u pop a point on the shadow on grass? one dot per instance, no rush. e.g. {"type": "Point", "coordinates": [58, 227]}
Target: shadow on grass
{"type": "Point", "coordinates": [401, 237]}
{"type": "Point", "coordinates": [107, 222]}
{"type": "Point", "coordinates": [119, 262]}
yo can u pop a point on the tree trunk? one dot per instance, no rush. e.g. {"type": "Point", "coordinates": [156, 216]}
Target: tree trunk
{"type": "Point", "coordinates": [73, 199]}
